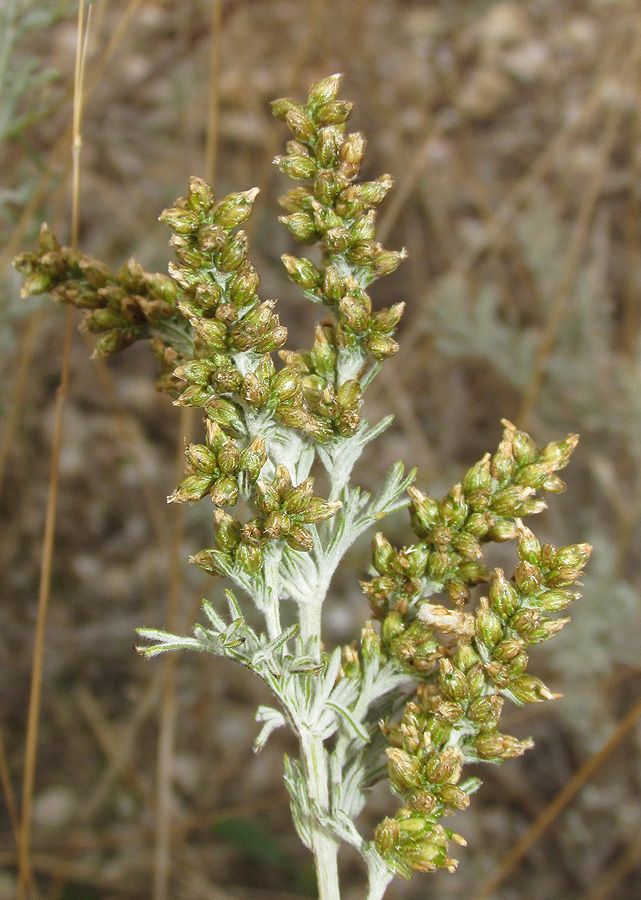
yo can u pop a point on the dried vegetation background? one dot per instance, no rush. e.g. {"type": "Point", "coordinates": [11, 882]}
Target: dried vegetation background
{"type": "Point", "coordinates": [513, 132]}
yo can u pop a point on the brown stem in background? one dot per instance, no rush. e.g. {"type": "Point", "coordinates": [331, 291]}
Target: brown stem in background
{"type": "Point", "coordinates": [33, 716]}
{"type": "Point", "coordinates": [558, 804]}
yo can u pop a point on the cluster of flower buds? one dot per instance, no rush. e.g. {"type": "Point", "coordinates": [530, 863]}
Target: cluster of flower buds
{"type": "Point", "coordinates": [282, 393]}
{"type": "Point", "coordinates": [337, 408]}
{"type": "Point", "coordinates": [466, 664]}
{"type": "Point", "coordinates": [218, 285]}
{"type": "Point", "coordinates": [124, 307]}
{"type": "Point", "coordinates": [516, 613]}
{"type": "Point", "coordinates": [338, 213]}
{"type": "Point", "coordinates": [219, 468]}
{"type": "Point", "coordinates": [484, 507]}
{"type": "Point", "coordinates": [284, 510]}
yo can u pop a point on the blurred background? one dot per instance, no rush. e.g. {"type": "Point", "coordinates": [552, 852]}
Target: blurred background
{"type": "Point", "coordinates": [512, 131]}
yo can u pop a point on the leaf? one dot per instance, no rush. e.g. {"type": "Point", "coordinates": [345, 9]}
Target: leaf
{"type": "Point", "coordinates": [347, 715]}
{"type": "Point", "coordinates": [272, 719]}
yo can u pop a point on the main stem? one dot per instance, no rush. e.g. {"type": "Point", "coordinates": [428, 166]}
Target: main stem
{"type": "Point", "coordinates": [324, 846]}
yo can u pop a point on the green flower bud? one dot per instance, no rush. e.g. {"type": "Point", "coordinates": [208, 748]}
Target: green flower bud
{"type": "Point", "coordinates": [216, 437]}
{"type": "Point", "coordinates": [404, 770]}
{"type": "Point", "coordinates": [554, 600]}
{"type": "Point", "coordinates": [336, 240]}
{"type": "Point", "coordinates": [453, 683]}
{"type": "Point", "coordinates": [325, 218]}
{"type": "Point", "coordinates": [287, 384]}
{"type": "Point", "coordinates": [211, 332]}
{"type": "Point", "coordinates": [334, 112]}
{"type": "Point", "coordinates": [301, 271]}
{"type": "Point", "coordinates": [528, 578]}
{"type": "Point", "coordinates": [277, 524]}
{"type": "Point", "coordinates": [266, 498]}
{"type": "Point", "coordinates": [300, 124]}
{"type": "Point", "coordinates": [363, 228]}
{"type": "Point", "coordinates": [301, 225]}
{"type": "Point", "coordinates": [528, 689]}
{"type": "Point", "coordinates": [507, 650]}
{"type": "Point", "coordinates": [234, 253]}
{"type": "Point", "coordinates": [364, 253]}
{"type": "Point", "coordinates": [558, 454]}
{"type": "Point", "coordinates": [546, 629]}
{"type": "Point", "coordinates": [244, 285]}
{"type": "Point", "coordinates": [489, 627]}
{"type": "Point", "coordinates": [352, 150]}
{"type": "Point", "coordinates": [113, 342]}
{"type": "Point", "coordinates": [300, 538]}
{"type": "Point", "coordinates": [282, 106]}
{"type": "Point", "coordinates": [297, 167]}
{"type": "Point", "coordinates": [328, 148]}
{"type": "Point", "coordinates": [380, 347]}
{"type": "Point", "coordinates": [382, 554]}
{"type": "Point", "coordinates": [272, 340]}
{"type": "Point", "coordinates": [414, 825]}
{"type": "Point", "coordinates": [182, 221]}
{"type": "Point", "coordinates": [200, 198]}
{"type": "Point", "coordinates": [509, 501]}
{"type": "Point", "coordinates": [393, 625]}
{"type": "Point", "coordinates": [453, 796]}
{"type": "Point", "coordinates": [47, 241]}
{"type": "Point", "coordinates": [234, 209]}
{"type": "Point", "coordinates": [486, 711]}
{"type": "Point", "coordinates": [102, 319]}
{"type": "Point", "coordinates": [207, 560]}
{"type": "Point", "coordinates": [326, 186]}
{"type": "Point", "coordinates": [502, 529]}
{"type": "Point", "coordinates": [193, 488]}
{"type": "Point", "coordinates": [196, 371]}
{"type": "Point", "coordinates": [425, 511]}
{"type": "Point", "coordinates": [324, 91]}
{"type": "Point", "coordinates": [504, 598]}
{"type": "Point", "coordinates": [529, 547]}
{"type": "Point", "coordinates": [524, 621]}
{"type": "Point", "coordinates": [534, 475]}
{"type": "Point", "coordinates": [500, 746]}
{"type": "Point", "coordinates": [476, 681]}
{"type": "Point", "coordinates": [333, 284]}
{"type": "Point", "coordinates": [225, 413]}
{"type": "Point", "coordinates": [373, 192]}
{"type": "Point", "coordinates": [575, 556]}
{"type": "Point", "coordinates": [249, 557]}
{"type": "Point", "coordinates": [524, 448]}
{"type": "Point", "coordinates": [355, 313]}
{"type": "Point", "coordinates": [201, 458]}
{"type": "Point", "coordinates": [254, 457]}
{"type": "Point", "coordinates": [227, 531]}
{"type": "Point", "coordinates": [211, 237]}
{"type": "Point", "coordinates": [503, 463]}
{"type": "Point", "coordinates": [298, 499]}
{"type": "Point", "coordinates": [318, 510]}
{"type": "Point", "coordinates": [229, 458]}
{"type": "Point", "coordinates": [371, 645]}
{"type": "Point", "coordinates": [473, 572]}
{"type": "Point", "coordinates": [387, 836]}
{"type": "Point", "coordinates": [444, 766]}
{"type": "Point", "coordinates": [387, 319]}
{"type": "Point", "coordinates": [225, 491]}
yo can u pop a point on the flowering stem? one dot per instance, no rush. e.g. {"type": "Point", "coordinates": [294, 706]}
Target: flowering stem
{"type": "Point", "coordinates": [324, 846]}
